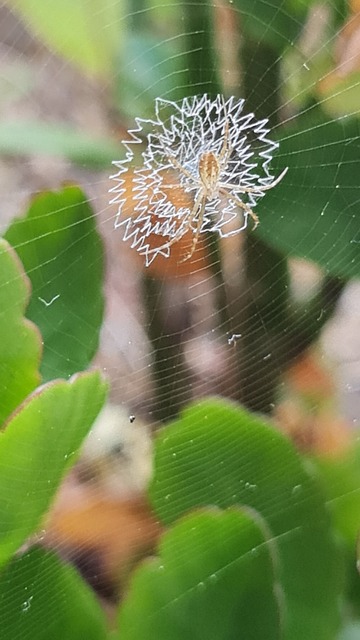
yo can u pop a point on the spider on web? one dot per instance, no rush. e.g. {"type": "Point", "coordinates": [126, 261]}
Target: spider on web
{"type": "Point", "coordinates": [208, 143]}
{"type": "Point", "coordinates": [208, 181]}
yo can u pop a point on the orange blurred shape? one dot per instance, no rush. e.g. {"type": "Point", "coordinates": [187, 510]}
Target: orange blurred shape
{"type": "Point", "coordinates": [120, 531]}
{"type": "Point", "coordinates": [308, 415]}
{"type": "Point", "coordinates": [347, 51]}
{"type": "Point", "coordinates": [324, 433]}
{"type": "Point", "coordinates": [308, 376]}
{"type": "Point", "coordinates": [173, 266]}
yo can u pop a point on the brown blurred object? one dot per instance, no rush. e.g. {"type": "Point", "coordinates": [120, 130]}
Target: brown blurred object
{"type": "Point", "coordinates": [308, 414]}
{"type": "Point", "coordinates": [319, 433]}
{"type": "Point", "coordinates": [348, 42]}
{"type": "Point", "coordinates": [174, 266]}
{"type": "Point", "coordinates": [308, 376]}
{"type": "Point", "coordinates": [104, 537]}
{"type": "Point", "coordinates": [346, 51]}
{"type": "Point", "coordinates": [101, 520]}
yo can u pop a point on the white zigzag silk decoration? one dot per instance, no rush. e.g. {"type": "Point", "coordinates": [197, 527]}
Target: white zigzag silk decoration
{"type": "Point", "coordinates": [212, 152]}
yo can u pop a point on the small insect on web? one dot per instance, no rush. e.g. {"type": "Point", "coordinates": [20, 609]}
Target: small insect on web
{"type": "Point", "coordinates": [217, 156]}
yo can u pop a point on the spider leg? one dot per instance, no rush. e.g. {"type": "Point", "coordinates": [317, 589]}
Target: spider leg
{"type": "Point", "coordinates": [197, 229]}
{"type": "Point", "coordinates": [243, 206]}
{"type": "Point", "coordinates": [226, 149]}
{"type": "Point", "coordinates": [199, 205]}
{"type": "Point", "coordinates": [178, 166]}
{"type": "Point", "coordinates": [258, 189]}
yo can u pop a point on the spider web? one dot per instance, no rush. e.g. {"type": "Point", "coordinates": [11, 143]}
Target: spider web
{"type": "Point", "coordinates": [197, 127]}
{"type": "Point", "coordinates": [46, 88]}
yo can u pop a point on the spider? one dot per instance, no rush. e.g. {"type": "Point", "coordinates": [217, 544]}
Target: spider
{"type": "Point", "coordinates": [210, 169]}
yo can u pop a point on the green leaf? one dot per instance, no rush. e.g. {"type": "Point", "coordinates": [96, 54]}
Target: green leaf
{"type": "Point", "coordinates": [36, 449]}
{"type": "Point", "coordinates": [213, 578]}
{"type": "Point", "coordinates": [148, 69]}
{"type": "Point", "coordinates": [20, 344]}
{"type": "Point", "coordinates": [31, 137]}
{"type": "Point", "coordinates": [43, 598]}
{"type": "Point", "coordinates": [341, 476]}
{"type": "Point", "coordinates": [217, 454]}
{"type": "Point", "coordinates": [303, 71]}
{"type": "Point", "coordinates": [341, 97]}
{"type": "Point", "coordinates": [314, 211]}
{"type": "Point", "coordinates": [276, 23]}
{"type": "Point", "coordinates": [200, 52]}
{"type": "Point", "coordinates": [262, 310]}
{"type": "Point", "coordinates": [62, 254]}
{"type": "Point", "coordinates": [86, 34]}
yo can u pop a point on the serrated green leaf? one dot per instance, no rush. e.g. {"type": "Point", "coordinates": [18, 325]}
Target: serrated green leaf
{"type": "Point", "coordinates": [86, 34]}
{"type": "Point", "coordinates": [36, 448]}
{"type": "Point", "coordinates": [20, 344]}
{"type": "Point", "coordinates": [314, 212]}
{"type": "Point", "coordinates": [214, 578]}
{"type": "Point", "coordinates": [62, 254]}
{"type": "Point", "coordinates": [218, 454]}
{"type": "Point", "coordinates": [43, 598]}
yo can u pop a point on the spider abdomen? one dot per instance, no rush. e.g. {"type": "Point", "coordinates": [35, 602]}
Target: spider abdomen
{"type": "Point", "coordinates": [209, 172]}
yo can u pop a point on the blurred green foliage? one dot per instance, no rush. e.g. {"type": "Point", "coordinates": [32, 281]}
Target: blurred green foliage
{"type": "Point", "coordinates": [212, 567]}
{"type": "Point", "coordinates": [219, 455]}
{"type": "Point", "coordinates": [43, 431]}
{"type": "Point", "coordinates": [62, 253]}
{"type": "Point", "coordinates": [313, 212]}
{"type": "Point", "coordinates": [35, 584]}
{"type": "Point", "coordinates": [86, 34]}
{"type": "Point", "coordinates": [20, 340]}
{"type": "Point", "coordinates": [32, 137]}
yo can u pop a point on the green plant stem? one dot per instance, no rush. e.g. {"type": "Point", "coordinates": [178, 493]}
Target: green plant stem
{"type": "Point", "coordinates": [306, 322]}
{"type": "Point", "coordinates": [273, 333]}
{"type": "Point", "coordinates": [259, 308]}
{"type": "Point", "coordinates": [171, 376]}
{"type": "Point", "coordinates": [199, 46]}
{"type": "Point", "coordinates": [138, 15]}
{"type": "Point", "coordinates": [258, 303]}
{"type": "Point", "coordinates": [261, 79]}
{"type": "Point", "coordinates": [203, 65]}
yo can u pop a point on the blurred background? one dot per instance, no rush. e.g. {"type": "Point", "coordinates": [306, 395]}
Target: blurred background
{"type": "Point", "coordinates": [270, 319]}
